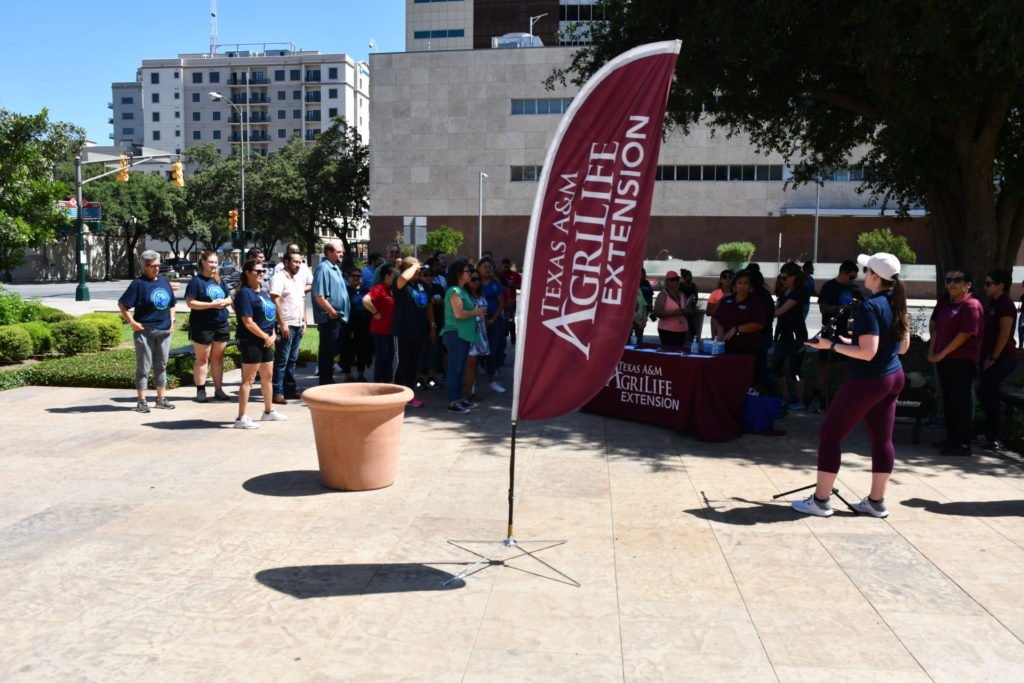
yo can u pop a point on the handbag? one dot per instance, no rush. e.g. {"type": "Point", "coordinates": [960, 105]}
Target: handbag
{"type": "Point", "coordinates": [759, 413]}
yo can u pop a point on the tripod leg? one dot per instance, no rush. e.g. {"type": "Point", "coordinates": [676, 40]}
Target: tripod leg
{"type": "Point", "coordinates": [786, 493]}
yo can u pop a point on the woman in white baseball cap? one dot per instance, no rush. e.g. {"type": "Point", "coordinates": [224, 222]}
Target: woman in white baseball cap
{"type": "Point", "coordinates": [874, 380]}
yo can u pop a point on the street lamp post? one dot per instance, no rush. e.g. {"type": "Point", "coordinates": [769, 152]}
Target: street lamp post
{"type": "Point", "coordinates": [82, 291]}
{"type": "Point", "coordinates": [534, 20]}
{"type": "Point", "coordinates": [480, 221]}
{"type": "Point", "coordinates": [217, 97]}
{"type": "Point", "coordinates": [817, 207]}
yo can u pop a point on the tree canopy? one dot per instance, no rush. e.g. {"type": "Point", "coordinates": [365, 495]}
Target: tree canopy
{"type": "Point", "coordinates": [31, 148]}
{"type": "Point", "coordinates": [930, 88]}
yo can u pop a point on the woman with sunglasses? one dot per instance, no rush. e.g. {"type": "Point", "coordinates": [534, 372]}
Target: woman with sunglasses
{"type": "Point", "coordinates": [208, 326]}
{"type": "Point", "coordinates": [955, 349]}
{"type": "Point", "coordinates": [459, 332]}
{"type": "Point", "coordinates": [670, 311]}
{"type": "Point", "coordinates": [874, 380]}
{"type": "Point", "coordinates": [998, 352]}
{"type": "Point", "coordinates": [790, 334]}
{"type": "Point", "coordinates": [479, 352]}
{"type": "Point", "coordinates": [257, 318]}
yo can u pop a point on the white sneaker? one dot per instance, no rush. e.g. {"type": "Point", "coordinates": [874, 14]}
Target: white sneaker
{"type": "Point", "coordinates": [870, 507]}
{"type": "Point", "coordinates": [245, 422]}
{"type": "Point", "coordinates": [273, 416]}
{"type": "Point", "coordinates": [812, 506]}
{"type": "Point", "coordinates": [497, 388]}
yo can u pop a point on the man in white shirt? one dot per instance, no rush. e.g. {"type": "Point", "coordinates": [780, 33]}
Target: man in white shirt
{"type": "Point", "coordinates": [288, 290]}
{"type": "Point", "coordinates": [305, 272]}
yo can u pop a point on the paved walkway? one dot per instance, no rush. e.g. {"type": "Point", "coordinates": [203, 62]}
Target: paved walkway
{"type": "Point", "coordinates": [169, 547]}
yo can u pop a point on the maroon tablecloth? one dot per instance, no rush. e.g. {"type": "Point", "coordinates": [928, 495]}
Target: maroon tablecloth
{"type": "Point", "coordinates": [702, 396]}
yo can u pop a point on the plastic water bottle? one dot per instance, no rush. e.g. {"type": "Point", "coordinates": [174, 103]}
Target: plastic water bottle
{"type": "Point", "coordinates": [695, 345]}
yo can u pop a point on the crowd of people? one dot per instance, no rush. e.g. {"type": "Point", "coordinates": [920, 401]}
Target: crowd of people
{"type": "Point", "coordinates": [417, 324]}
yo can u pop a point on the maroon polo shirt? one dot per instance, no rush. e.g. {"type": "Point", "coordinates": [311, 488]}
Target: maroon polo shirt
{"type": "Point", "coordinates": [1003, 307]}
{"type": "Point", "coordinates": [952, 318]}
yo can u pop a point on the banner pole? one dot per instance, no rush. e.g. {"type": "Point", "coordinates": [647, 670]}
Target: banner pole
{"type": "Point", "coordinates": [511, 480]}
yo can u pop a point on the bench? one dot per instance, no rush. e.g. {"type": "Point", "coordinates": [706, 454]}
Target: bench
{"type": "Point", "coordinates": [180, 353]}
{"type": "Point", "coordinates": [915, 404]}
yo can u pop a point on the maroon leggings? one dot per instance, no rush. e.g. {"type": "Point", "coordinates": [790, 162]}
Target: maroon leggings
{"type": "Point", "coordinates": [872, 400]}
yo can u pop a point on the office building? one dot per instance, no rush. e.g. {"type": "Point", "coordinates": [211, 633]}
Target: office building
{"type": "Point", "coordinates": [270, 94]}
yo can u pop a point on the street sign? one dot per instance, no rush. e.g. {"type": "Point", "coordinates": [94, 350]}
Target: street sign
{"type": "Point", "coordinates": [92, 213]}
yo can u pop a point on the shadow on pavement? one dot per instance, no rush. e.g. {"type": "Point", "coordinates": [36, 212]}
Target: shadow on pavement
{"type": "Point", "coordinates": [188, 424]}
{"type": "Point", "coordinates": [754, 512]}
{"type": "Point", "coordinates": [330, 580]}
{"type": "Point", "coordinates": [287, 484]}
{"type": "Point", "coordinates": [990, 508]}
{"type": "Point", "coordinates": [91, 409]}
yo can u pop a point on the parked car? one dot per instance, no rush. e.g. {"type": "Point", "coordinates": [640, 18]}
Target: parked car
{"type": "Point", "coordinates": [177, 267]}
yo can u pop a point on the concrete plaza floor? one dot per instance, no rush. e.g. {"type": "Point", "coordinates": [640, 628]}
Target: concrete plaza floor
{"type": "Point", "coordinates": [169, 547]}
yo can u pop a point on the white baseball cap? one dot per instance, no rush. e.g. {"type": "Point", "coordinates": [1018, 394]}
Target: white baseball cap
{"type": "Point", "coordinates": [886, 266]}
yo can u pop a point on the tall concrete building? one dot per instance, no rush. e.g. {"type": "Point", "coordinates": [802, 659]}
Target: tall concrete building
{"type": "Point", "coordinates": [476, 24]}
{"type": "Point", "coordinates": [269, 94]}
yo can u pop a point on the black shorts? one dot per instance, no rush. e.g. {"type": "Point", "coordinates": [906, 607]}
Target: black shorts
{"type": "Point", "coordinates": [207, 337]}
{"type": "Point", "coordinates": [253, 351]}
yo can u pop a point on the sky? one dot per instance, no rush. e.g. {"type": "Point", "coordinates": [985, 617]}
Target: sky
{"type": "Point", "coordinates": [63, 55]}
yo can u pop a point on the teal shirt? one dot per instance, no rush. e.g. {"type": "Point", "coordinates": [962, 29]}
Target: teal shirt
{"type": "Point", "coordinates": [329, 283]}
{"type": "Point", "coordinates": [465, 328]}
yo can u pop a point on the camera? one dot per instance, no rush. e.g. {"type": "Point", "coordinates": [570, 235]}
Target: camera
{"type": "Point", "coordinates": [840, 323]}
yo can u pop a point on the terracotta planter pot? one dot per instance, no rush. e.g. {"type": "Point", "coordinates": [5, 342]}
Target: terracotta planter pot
{"type": "Point", "coordinates": [357, 429]}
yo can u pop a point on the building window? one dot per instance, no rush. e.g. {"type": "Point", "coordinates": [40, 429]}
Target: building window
{"type": "Point", "coordinates": [154, 78]}
{"type": "Point", "coordinates": [156, 117]}
{"type": "Point", "coordinates": [296, 113]}
{"type": "Point", "coordinates": [177, 95]}
{"type": "Point", "coordinates": [127, 100]}
{"type": "Point", "coordinates": [156, 135]}
{"type": "Point", "coordinates": [737, 172]}
{"type": "Point", "coordinates": [196, 135]}
{"type": "Point", "coordinates": [332, 112]}
{"type": "Point", "coordinates": [176, 74]}
{"type": "Point", "coordinates": [296, 94]}
{"type": "Point", "coordinates": [525, 174]}
{"type": "Point", "coordinates": [282, 114]}
{"type": "Point", "coordinates": [214, 77]}
{"type": "Point", "coordinates": [279, 75]}
{"type": "Point", "coordinates": [127, 131]}
{"type": "Point", "coordinates": [177, 114]}
{"type": "Point", "coordinates": [216, 116]}
{"type": "Point", "coordinates": [295, 75]}
{"type": "Point", "coordinates": [177, 133]}
{"type": "Point", "coordinates": [332, 73]}
{"type": "Point", "coordinates": [440, 33]}
{"type": "Point", "coordinates": [216, 135]}
{"type": "Point", "coordinates": [195, 116]}
{"type": "Point", "coordinates": [282, 133]}
{"type": "Point", "coordinates": [155, 98]}
{"type": "Point", "coordinates": [282, 95]}
{"type": "Point", "coordinates": [127, 115]}
{"type": "Point", "coordinates": [312, 75]}
{"type": "Point", "coordinates": [195, 97]}
{"type": "Point", "coordinates": [332, 93]}
{"type": "Point", "coordinates": [197, 76]}
{"type": "Point", "coordinates": [540, 105]}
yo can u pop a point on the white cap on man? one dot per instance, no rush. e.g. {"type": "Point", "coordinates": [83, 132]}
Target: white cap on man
{"type": "Point", "coordinates": [886, 266]}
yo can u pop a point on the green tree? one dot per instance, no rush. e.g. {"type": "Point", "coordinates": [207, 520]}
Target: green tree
{"type": "Point", "coordinates": [31, 147]}
{"type": "Point", "coordinates": [339, 166]}
{"type": "Point", "coordinates": [212, 190]}
{"type": "Point", "coordinates": [444, 240]}
{"type": "Point", "coordinates": [930, 89]}
{"type": "Point", "coordinates": [884, 240]}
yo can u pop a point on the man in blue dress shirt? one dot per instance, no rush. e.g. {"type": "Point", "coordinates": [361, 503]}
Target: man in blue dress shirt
{"type": "Point", "coordinates": [330, 308]}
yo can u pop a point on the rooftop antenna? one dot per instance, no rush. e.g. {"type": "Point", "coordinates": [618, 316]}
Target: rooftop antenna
{"type": "Point", "coordinates": [213, 27]}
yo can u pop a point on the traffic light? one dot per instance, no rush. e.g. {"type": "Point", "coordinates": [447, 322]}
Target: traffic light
{"type": "Point", "coordinates": [233, 219]}
{"type": "Point", "coordinates": [122, 175]}
{"type": "Point", "coordinates": [177, 174]}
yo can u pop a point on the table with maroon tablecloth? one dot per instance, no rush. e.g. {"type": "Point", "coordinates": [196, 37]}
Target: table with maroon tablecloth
{"type": "Point", "coordinates": [699, 395]}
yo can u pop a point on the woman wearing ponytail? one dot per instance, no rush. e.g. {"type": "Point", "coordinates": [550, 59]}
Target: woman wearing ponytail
{"type": "Point", "coordinates": [208, 325]}
{"type": "Point", "coordinates": [874, 379]}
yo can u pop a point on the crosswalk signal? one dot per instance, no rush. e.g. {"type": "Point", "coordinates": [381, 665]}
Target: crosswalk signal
{"type": "Point", "coordinates": [177, 174]}
{"type": "Point", "coordinates": [122, 175]}
{"type": "Point", "coordinates": [233, 219]}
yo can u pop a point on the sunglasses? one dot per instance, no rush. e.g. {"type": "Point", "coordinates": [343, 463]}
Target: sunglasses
{"type": "Point", "coordinates": [957, 279]}
{"type": "Point", "coordinates": [989, 283]}
{"type": "Point", "coordinates": [474, 279]}
{"type": "Point", "coordinates": [671, 279]}
{"type": "Point", "coordinates": [258, 272]}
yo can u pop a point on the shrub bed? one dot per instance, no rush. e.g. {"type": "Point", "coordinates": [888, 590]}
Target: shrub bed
{"type": "Point", "coordinates": [108, 327]}
{"type": "Point", "coordinates": [110, 369]}
{"type": "Point", "coordinates": [15, 343]}
{"type": "Point", "coordinates": [72, 337]}
{"type": "Point", "coordinates": [42, 336]}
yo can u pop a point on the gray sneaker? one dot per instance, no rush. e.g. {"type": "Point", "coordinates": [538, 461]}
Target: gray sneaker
{"type": "Point", "coordinates": [142, 407]}
{"type": "Point", "coordinates": [812, 506]}
{"type": "Point", "coordinates": [164, 403]}
{"type": "Point", "coordinates": [870, 507]}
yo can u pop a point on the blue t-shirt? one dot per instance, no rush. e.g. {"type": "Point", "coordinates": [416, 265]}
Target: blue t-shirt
{"type": "Point", "coordinates": [874, 316]}
{"type": "Point", "coordinates": [259, 307]}
{"type": "Point", "coordinates": [492, 290]}
{"type": "Point", "coordinates": [151, 301]}
{"type": "Point", "coordinates": [206, 289]}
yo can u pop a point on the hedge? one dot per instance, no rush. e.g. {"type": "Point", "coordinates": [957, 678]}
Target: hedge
{"type": "Point", "coordinates": [48, 314]}
{"type": "Point", "coordinates": [42, 336]}
{"type": "Point", "coordinates": [735, 252]}
{"type": "Point", "coordinates": [108, 326]}
{"type": "Point", "coordinates": [72, 337]}
{"type": "Point", "coordinates": [12, 379]}
{"type": "Point", "coordinates": [15, 343]}
{"type": "Point", "coordinates": [109, 369]}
